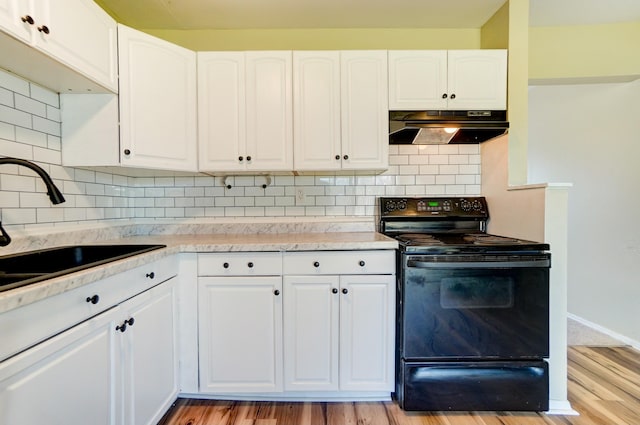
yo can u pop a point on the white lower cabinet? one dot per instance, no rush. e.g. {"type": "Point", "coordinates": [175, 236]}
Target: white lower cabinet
{"type": "Point", "coordinates": [297, 324]}
{"type": "Point", "coordinates": [338, 333]}
{"type": "Point", "coordinates": [240, 322]}
{"type": "Point", "coordinates": [70, 379]}
{"type": "Point", "coordinates": [149, 354]}
{"type": "Point", "coordinates": [104, 371]}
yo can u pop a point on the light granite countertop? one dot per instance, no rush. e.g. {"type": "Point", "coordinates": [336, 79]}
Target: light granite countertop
{"type": "Point", "coordinates": [240, 242]}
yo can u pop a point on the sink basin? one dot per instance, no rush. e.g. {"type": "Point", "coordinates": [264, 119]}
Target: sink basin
{"type": "Point", "coordinates": [34, 266]}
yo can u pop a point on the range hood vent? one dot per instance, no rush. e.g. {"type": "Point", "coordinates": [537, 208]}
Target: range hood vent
{"type": "Point", "coordinates": [445, 127]}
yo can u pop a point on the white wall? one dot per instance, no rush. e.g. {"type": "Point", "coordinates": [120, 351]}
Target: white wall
{"type": "Point", "coordinates": [589, 135]}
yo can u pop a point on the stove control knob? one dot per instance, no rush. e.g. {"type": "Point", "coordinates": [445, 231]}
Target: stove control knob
{"type": "Point", "coordinates": [402, 204]}
{"type": "Point", "coordinates": [390, 206]}
{"type": "Point", "coordinates": [465, 205]}
{"type": "Point", "coordinates": [477, 205]}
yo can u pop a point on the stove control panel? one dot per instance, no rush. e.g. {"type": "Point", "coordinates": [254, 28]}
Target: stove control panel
{"type": "Point", "coordinates": [430, 207]}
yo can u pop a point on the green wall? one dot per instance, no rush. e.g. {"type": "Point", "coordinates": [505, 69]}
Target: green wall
{"type": "Point", "coordinates": [322, 39]}
{"type": "Point", "coordinates": [584, 53]}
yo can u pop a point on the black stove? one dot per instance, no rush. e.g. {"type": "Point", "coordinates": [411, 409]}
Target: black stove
{"type": "Point", "coordinates": [472, 328]}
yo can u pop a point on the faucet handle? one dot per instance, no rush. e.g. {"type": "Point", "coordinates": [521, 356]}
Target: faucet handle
{"type": "Point", "coordinates": [5, 239]}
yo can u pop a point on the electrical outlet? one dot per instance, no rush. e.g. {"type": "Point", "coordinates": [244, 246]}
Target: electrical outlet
{"type": "Point", "coordinates": [299, 194]}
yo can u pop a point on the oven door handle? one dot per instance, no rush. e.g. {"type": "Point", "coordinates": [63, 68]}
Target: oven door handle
{"type": "Point", "coordinates": [477, 264]}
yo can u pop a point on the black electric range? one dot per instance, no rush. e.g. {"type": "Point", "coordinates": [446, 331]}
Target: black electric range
{"type": "Point", "coordinates": [472, 308]}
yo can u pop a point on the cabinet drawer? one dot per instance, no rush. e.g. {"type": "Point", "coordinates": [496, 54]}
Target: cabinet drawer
{"type": "Point", "coordinates": [340, 262]}
{"type": "Point", "coordinates": [28, 325]}
{"type": "Point", "coordinates": [240, 264]}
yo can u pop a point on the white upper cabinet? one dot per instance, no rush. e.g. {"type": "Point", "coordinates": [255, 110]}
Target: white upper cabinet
{"type": "Point", "coordinates": [245, 111]}
{"type": "Point", "coordinates": [76, 34]}
{"type": "Point", "coordinates": [417, 79]}
{"type": "Point", "coordinates": [364, 110]}
{"type": "Point", "coordinates": [158, 127]}
{"type": "Point", "coordinates": [11, 14]}
{"type": "Point", "coordinates": [269, 111]}
{"type": "Point", "coordinates": [454, 79]}
{"type": "Point", "coordinates": [316, 110]}
{"type": "Point", "coordinates": [340, 110]}
{"type": "Point", "coordinates": [221, 110]}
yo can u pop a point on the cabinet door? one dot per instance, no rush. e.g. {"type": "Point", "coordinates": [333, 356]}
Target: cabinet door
{"type": "Point", "coordinates": [69, 379]}
{"type": "Point", "coordinates": [240, 334]}
{"type": "Point", "coordinates": [367, 333]}
{"type": "Point", "coordinates": [80, 35]}
{"type": "Point", "coordinates": [157, 102]}
{"type": "Point", "coordinates": [311, 333]}
{"type": "Point", "coordinates": [221, 111]}
{"type": "Point", "coordinates": [478, 79]}
{"type": "Point", "coordinates": [316, 110]}
{"type": "Point", "coordinates": [365, 118]}
{"type": "Point", "coordinates": [11, 14]}
{"type": "Point", "coordinates": [150, 354]}
{"type": "Point", "coordinates": [417, 79]}
{"type": "Point", "coordinates": [269, 111]}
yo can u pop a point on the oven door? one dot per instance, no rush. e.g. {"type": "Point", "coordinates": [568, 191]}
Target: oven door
{"type": "Point", "coordinates": [475, 307]}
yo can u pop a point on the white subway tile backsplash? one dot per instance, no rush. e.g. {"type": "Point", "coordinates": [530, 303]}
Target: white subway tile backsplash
{"type": "Point", "coordinates": [46, 126]}
{"type": "Point", "coordinates": [19, 216]}
{"type": "Point", "coordinates": [30, 129]}
{"type": "Point", "coordinates": [14, 83]}
{"type": "Point", "coordinates": [31, 106]}
{"type": "Point", "coordinates": [17, 183]}
{"type": "Point", "coordinates": [6, 97]}
{"type": "Point", "coordinates": [15, 117]}
{"type": "Point", "coordinates": [10, 199]}
{"type": "Point", "coordinates": [44, 95]}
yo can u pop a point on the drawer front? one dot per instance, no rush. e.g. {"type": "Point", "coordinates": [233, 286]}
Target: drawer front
{"type": "Point", "coordinates": [240, 264]}
{"type": "Point", "coordinates": [340, 262]}
{"type": "Point", "coordinates": [28, 325]}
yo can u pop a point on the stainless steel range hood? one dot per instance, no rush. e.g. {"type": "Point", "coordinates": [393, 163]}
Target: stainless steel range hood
{"type": "Point", "coordinates": [445, 127]}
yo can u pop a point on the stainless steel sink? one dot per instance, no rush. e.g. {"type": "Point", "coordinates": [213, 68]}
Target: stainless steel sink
{"type": "Point", "coordinates": [30, 267]}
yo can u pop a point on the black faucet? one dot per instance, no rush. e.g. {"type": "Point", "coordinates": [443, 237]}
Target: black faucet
{"type": "Point", "coordinates": [54, 193]}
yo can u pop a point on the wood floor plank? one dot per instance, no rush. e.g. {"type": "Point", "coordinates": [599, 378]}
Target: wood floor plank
{"type": "Point", "coordinates": [603, 384]}
{"type": "Point", "coordinates": [618, 378]}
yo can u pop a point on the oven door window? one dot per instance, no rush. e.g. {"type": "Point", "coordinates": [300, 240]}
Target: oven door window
{"type": "Point", "coordinates": [475, 312]}
{"type": "Point", "coordinates": [476, 292]}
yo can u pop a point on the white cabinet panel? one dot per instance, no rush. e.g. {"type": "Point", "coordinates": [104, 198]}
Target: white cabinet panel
{"type": "Point", "coordinates": [150, 354]}
{"type": "Point", "coordinates": [367, 333]}
{"type": "Point", "coordinates": [240, 264]}
{"type": "Point", "coordinates": [76, 34]}
{"type": "Point", "coordinates": [364, 100]}
{"type": "Point", "coordinates": [221, 110]}
{"type": "Point", "coordinates": [311, 333]}
{"type": "Point", "coordinates": [158, 126]}
{"type": "Point", "coordinates": [240, 334]}
{"type": "Point", "coordinates": [245, 111]}
{"type": "Point", "coordinates": [339, 330]}
{"type": "Point", "coordinates": [316, 99]}
{"type": "Point", "coordinates": [269, 111]}
{"type": "Point", "coordinates": [83, 360]}
{"type": "Point", "coordinates": [417, 79]}
{"type": "Point", "coordinates": [477, 79]}
{"type": "Point", "coordinates": [453, 79]}
{"type": "Point", "coordinates": [82, 36]}
{"type": "Point", "coordinates": [11, 14]}
{"type": "Point", "coordinates": [117, 367]}
{"type": "Point", "coordinates": [339, 262]}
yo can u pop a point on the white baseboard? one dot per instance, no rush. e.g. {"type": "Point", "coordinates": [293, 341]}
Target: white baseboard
{"type": "Point", "coordinates": [561, 407]}
{"type": "Point", "coordinates": [623, 339]}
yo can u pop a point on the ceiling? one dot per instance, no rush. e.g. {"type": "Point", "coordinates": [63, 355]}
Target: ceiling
{"type": "Point", "coordinates": [241, 14]}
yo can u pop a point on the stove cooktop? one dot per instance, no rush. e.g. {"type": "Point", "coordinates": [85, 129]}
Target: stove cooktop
{"type": "Point", "coordinates": [468, 242]}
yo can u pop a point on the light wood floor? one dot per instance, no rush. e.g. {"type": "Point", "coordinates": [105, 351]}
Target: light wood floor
{"type": "Point", "coordinates": [604, 387]}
